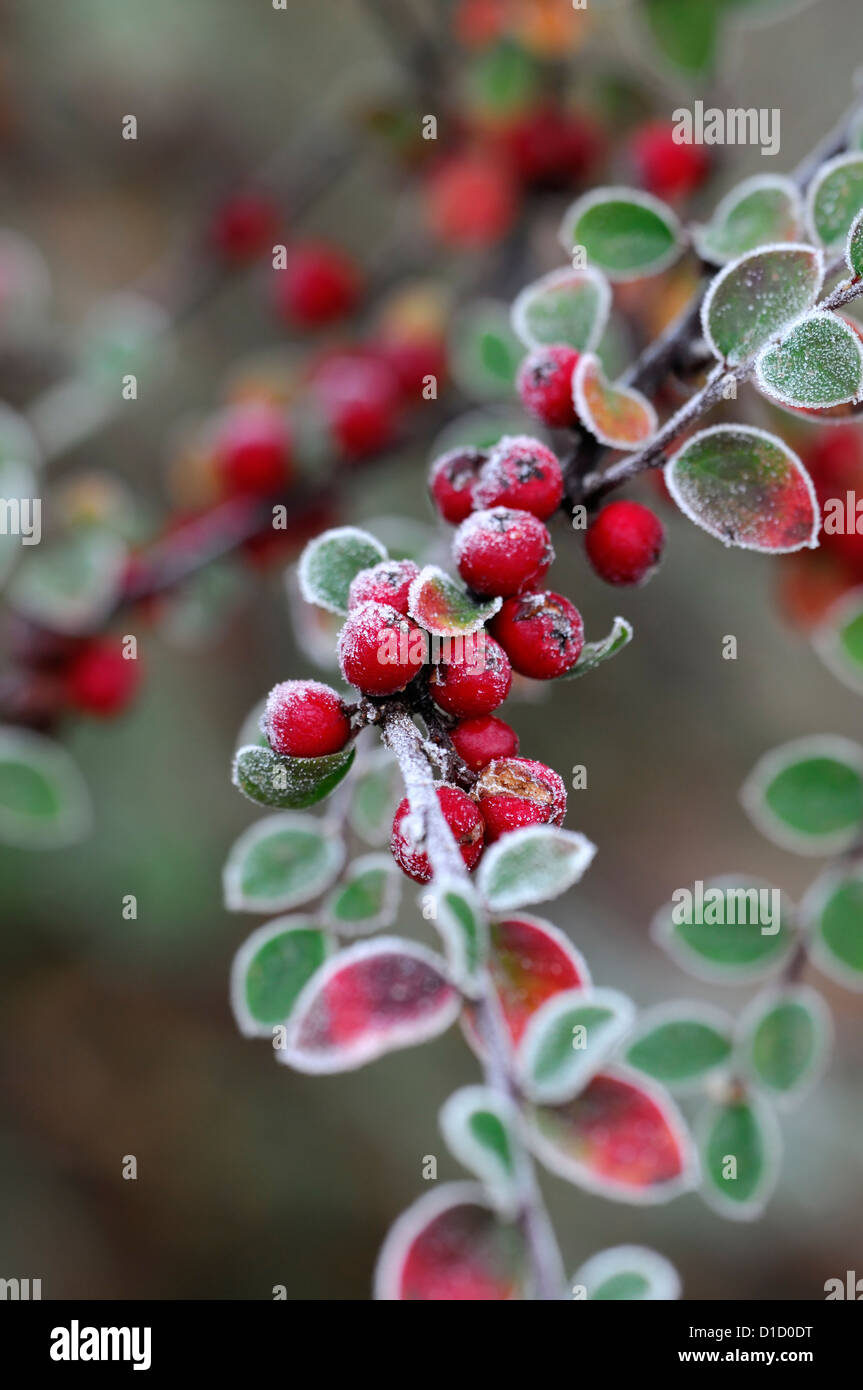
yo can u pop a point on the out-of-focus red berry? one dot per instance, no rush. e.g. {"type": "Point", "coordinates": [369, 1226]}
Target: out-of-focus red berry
{"type": "Point", "coordinates": [835, 464]}
{"type": "Point", "coordinates": [253, 450]}
{"type": "Point", "coordinates": [470, 200]}
{"type": "Point", "coordinates": [244, 227]}
{"type": "Point", "coordinates": [318, 285]}
{"type": "Point", "coordinates": [359, 395]}
{"type": "Point", "coordinates": [550, 147]}
{"type": "Point", "coordinates": [100, 680]}
{"type": "Point", "coordinates": [414, 359]}
{"type": "Point", "coordinates": [666, 168]}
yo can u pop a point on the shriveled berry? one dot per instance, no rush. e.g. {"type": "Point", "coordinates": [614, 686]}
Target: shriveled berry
{"type": "Point", "coordinates": [542, 634]}
{"type": "Point", "coordinates": [478, 741]}
{"type": "Point", "coordinates": [389, 582]}
{"type": "Point", "coordinates": [464, 820]}
{"type": "Point", "coordinates": [475, 681]}
{"type": "Point", "coordinates": [253, 450]}
{"type": "Point", "coordinates": [502, 551]}
{"type": "Point", "coordinates": [545, 385]}
{"type": "Point", "coordinates": [100, 680]}
{"type": "Point", "coordinates": [380, 650]}
{"type": "Point", "coordinates": [666, 168]}
{"type": "Point", "coordinates": [520, 472]}
{"type": "Point", "coordinates": [624, 543]}
{"type": "Point", "coordinates": [317, 285]}
{"type": "Point", "coordinates": [514, 792]}
{"type": "Point", "coordinates": [452, 479]}
{"type": "Point", "coordinates": [305, 719]}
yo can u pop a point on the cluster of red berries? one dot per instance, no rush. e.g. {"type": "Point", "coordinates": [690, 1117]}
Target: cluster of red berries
{"type": "Point", "coordinates": [83, 675]}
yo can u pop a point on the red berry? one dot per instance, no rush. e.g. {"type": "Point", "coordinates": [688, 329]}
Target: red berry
{"type": "Point", "coordinates": [542, 634]}
{"type": "Point", "coordinates": [452, 478]}
{"type": "Point", "coordinates": [253, 450]}
{"type": "Point", "coordinates": [502, 551]}
{"type": "Point", "coordinates": [545, 385]}
{"type": "Point", "coordinates": [835, 463]}
{"type": "Point", "coordinates": [413, 359]}
{"type": "Point", "coordinates": [550, 147]}
{"type": "Point", "coordinates": [360, 399]}
{"type": "Point", "coordinates": [243, 227]}
{"type": "Point", "coordinates": [624, 543]}
{"type": "Point", "coordinates": [380, 650]}
{"type": "Point", "coordinates": [305, 719]}
{"type": "Point", "coordinates": [513, 792]}
{"type": "Point", "coordinates": [318, 285]}
{"type": "Point", "coordinates": [477, 741]}
{"type": "Point", "coordinates": [389, 582]}
{"type": "Point", "coordinates": [521, 473]}
{"type": "Point", "coordinates": [476, 682]}
{"type": "Point", "coordinates": [100, 680]}
{"type": "Point", "coordinates": [464, 820]}
{"type": "Point", "coordinates": [470, 200]}
{"type": "Point", "coordinates": [666, 168]}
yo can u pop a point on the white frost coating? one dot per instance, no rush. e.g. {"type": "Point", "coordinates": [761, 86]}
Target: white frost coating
{"type": "Point", "coordinates": [814, 902]}
{"type": "Point", "coordinates": [763, 1004]}
{"type": "Point", "coordinates": [620, 194]}
{"type": "Point", "coordinates": [588, 362]}
{"type": "Point", "coordinates": [454, 1121]}
{"type": "Point", "coordinates": [752, 798]}
{"type": "Point", "coordinates": [433, 574]}
{"type": "Point", "coordinates": [581, 1063]}
{"type": "Point", "coordinates": [412, 1223]}
{"type": "Point", "coordinates": [826, 639]}
{"type": "Point", "coordinates": [854, 231]}
{"type": "Point", "coordinates": [338, 533]}
{"type": "Point", "coordinates": [661, 1277]}
{"type": "Point", "coordinates": [377, 1039]}
{"type": "Point", "coordinates": [471, 981]}
{"type": "Point", "coordinates": [840, 161]}
{"type": "Point", "coordinates": [663, 933]}
{"type": "Point", "coordinates": [829, 324]}
{"type": "Point", "coordinates": [715, 531]}
{"type": "Point", "coordinates": [392, 891]}
{"type": "Point", "coordinates": [728, 204]}
{"type": "Point", "coordinates": [249, 1026]}
{"type": "Point", "coordinates": [232, 874]}
{"type": "Point", "coordinates": [772, 1156]}
{"type": "Point", "coordinates": [813, 252]}
{"type": "Point", "coordinates": [683, 1011]}
{"type": "Point", "coordinates": [559, 280]}
{"type": "Point", "coordinates": [75, 816]}
{"type": "Point", "coordinates": [557, 858]}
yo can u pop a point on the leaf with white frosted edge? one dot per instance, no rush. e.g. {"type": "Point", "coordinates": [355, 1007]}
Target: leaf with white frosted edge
{"type": "Point", "coordinates": [730, 929]}
{"type": "Point", "coordinates": [44, 801]}
{"type": "Point", "coordinates": [373, 997]}
{"type": "Point", "coordinates": [618, 416]}
{"type": "Point", "coordinates": [833, 912]}
{"type": "Point", "coordinates": [484, 350]}
{"type": "Point", "coordinates": [18, 492]}
{"type": "Point", "coordinates": [593, 654]}
{"type": "Point", "coordinates": [838, 639]}
{"type": "Point", "coordinates": [270, 969]}
{"type": "Point", "coordinates": [627, 1273]}
{"type": "Point", "coordinates": [761, 210]}
{"type": "Point", "coordinates": [758, 295]}
{"type": "Point", "coordinates": [283, 783]}
{"type": "Point", "coordinates": [463, 927]}
{"type": "Point", "coordinates": [625, 232]}
{"type": "Point", "coordinates": [740, 1148]}
{"type": "Point", "coordinates": [376, 790]}
{"type": "Point", "coordinates": [330, 562]}
{"type": "Point", "coordinates": [568, 1039]}
{"type": "Point", "coordinates": [785, 1035]}
{"type": "Point", "coordinates": [622, 1137]}
{"type": "Point", "coordinates": [367, 898]}
{"type": "Point", "coordinates": [281, 862]}
{"type": "Point", "coordinates": [854, 246]}
{"type": "Point", "coordinates": [818, 363]}
{"type": "Point", "coordinates": [444, 608]}
{"type": "Point", "coordinates": [565, 306]}
{"type": "Point", "coordinates": [833, 200]}
{"type": "Point", "coordinates": [807, 795]}
{"type": "Point", "coordinates": [746, 488]}
{"type": "Point", "coordinates": [452, 1246]}
{"type": "Point", "coordinates": [680, 1044]}
{"type": "Point", "coordinates": [481, 1129]}
{"type": "Point", "coordinates": [316, 630]}
{"type": "Point", "coordinates": [531, 865]}
{"type": "Point", "coordinates": [71, 585]}
{"type": "Point", "coordinates": [686, 35]}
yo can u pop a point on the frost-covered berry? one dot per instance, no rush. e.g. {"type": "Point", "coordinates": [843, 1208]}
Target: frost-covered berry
{"type": "Point", "coordinates": [514, 792]}
{"type": "Point", "coordinates": [624, 543]}
{"type": "Point", "coordinates": [253, 450]}
{"type": "Point", "coordinates": [389, 582]}
{"type": "Point", "coordinates": [317, 285]}
{"type": "Point", "coordinates": [666, 168]}
{"type": "Point", "coordinates": [542, 634]}
{"type": "Point", "coordinates": [380, 650]}
{"type": "Point", "coordinates": [475, 681]}
{"type": "Point", "coordinates": [464, 820]}
{"type": "Point", "coordinates": [478, 741]}
{"type": "Point", "coordinates": [522, 473]}
{"type": "Point", "coordinates": [452, 478]}
{"type": "Point", "coordinates": [305, 719]}
{"type": "Point", "coordinates": [502, 551]}
{"type": "Point", "coordinates": [100, 680]}
{"type": "Point", "coordinates": [545, 385]}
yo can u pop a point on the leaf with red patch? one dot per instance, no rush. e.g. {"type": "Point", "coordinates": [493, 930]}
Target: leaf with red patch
{"type": "Point", "coordinates": [618, 416]}
{"type": "Point", "coordinates": [443, 607]}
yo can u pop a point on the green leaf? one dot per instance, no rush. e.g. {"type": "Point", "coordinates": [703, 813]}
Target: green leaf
{"type": "Point", "coordinates": [18, 443]}
{"type": "Point", "coordinates": [746, 488]}
{"type": "Point", "coordinates": [19, 495]}
{"type": "Point", "coordinates": [283, 783]}
{"type": "Point", "coordinates": [686, 34]}
{"type": "Point", "coordinates": [330, 562]}
{"type": "Point", "coordinates": [626, 233]}
{"type": "Point", "coordinates": [531, 865]}
{"type": "Point", "coordinates": [271, 968]}
{"type": "Point", "coordinates": [124, 333]}
{"type": "Point", "coordinates": [740, 1148]}
{"type": "Point", "coordinates": [854, 246]}
{"type": "Point", "coordinates": [593, 654]}
{"type": "Point", "coordinates": [833, 911]}
{"type": "Point", "coordinates": [484, 351]}
{"type": "Point", "coordinates": [502, 82]}
{"type": "Point", "coordinates": [368, 897]}
{"type": "Point", "coordinates": [568, 1039]}
{"type": "Point", "coordinates": [680, 1044]}
{"type": "Point", "coordinates": [463, 927]}
{"type": "Point", "coordinates": [44, 802]}
{"type": "Point", "coordinates": [481, 1127]}
{"type": "Point", "coordinates": [807, 796]}
{"type": "Point", "coordinates": [250, 729]}
{"type": "Point", "coordinates": [565, 306]}
{"type": "Point", "coordinates": [626, 1272]}
{"type": "Point", "coordinates": [281, 862]}
{"type": "Point", "coordinates": [377, 791]}
{"type": "Point", "coordinates": [618, 416]}
{"type": "Point", "coordinates": [818, 363]}
{"type": "Point", "coordinates": [729, 928]}
{"type": "Point", "coordinates": [760, 211]}
{"type": "Point", "coordinates": [444, 608]}
{"type": "Point", "coordinates": [785, 1037]}
{"type": "Point", "coordinates": [758, 295]}
{"type": "Point", "coordinates": [71, 585]}
{"type": "Point", "coordinates": [833, 200]}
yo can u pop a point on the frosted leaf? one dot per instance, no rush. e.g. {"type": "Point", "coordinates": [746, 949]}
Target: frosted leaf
{"type": "Point", "coordinates": [367, 898]}
{"type": "Point", "coordinates": [330, 562]}
{"type": "Point", "coordinates": [807, 795]}
{"type": "Point", "coordinates": [376, 792]}
{"type": "Point", "coordinates": [731, 928]}
{"type": "Point", "coordinates": [484, 352]}
{"type": "Point", "coordinates": [833, 200]}
{"type": "Point", "coordinates": [680, 1044]}
{"type": "Point", "coordinates": [463, 928]}
{"type": "Point", "coordinates": [818, 363]}
{"type": "Point", "coordinates": [285, 783]}
{"type": "Point", "coordinates": [833, 913]}
{"type": "Point", "coordinates": [568, 1039]}
{"type": "Point", "coordinates": [758, 295]}
{"type": "Point", "coordinates": [444, 608]}
{"type": "Point", "coordinates": [628, 1273]}
{"type": "Point", "coordinates": [531, 865]}
{"type": "Point", "coordinates": [593, 654]}
{"type": "Point", "coordinates": [250, 729]}
{"type": "Point", "coordinates": [71, 585]}
{"type": "Point", "coordinates": [281, 862]}
{"type": "Point", "coordinates": [785, 1035]}
{"type": "Point", "coordinates": [270, 969]}
{"type": "Point", "coordinates": [746, 488]}
{"type": "Point", "coordinates": [44, 801]}
{"type": "Point", "coordinates": [761, 210]}
{"type": "Point", "coordinates": [854, 246]}
{"type": "Point", "coordinates": [618, 416]}
{"type": "Point", "coordinates": [565, 306]}
{"type": "Point", "coordinates": [481, 1129]}
{"type": "Point", "coordinates": [626, 233]}
{"type": "Point", "coordinates": [745, 1130]}
{"type": "Point", "coordinates": [373, 997]}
